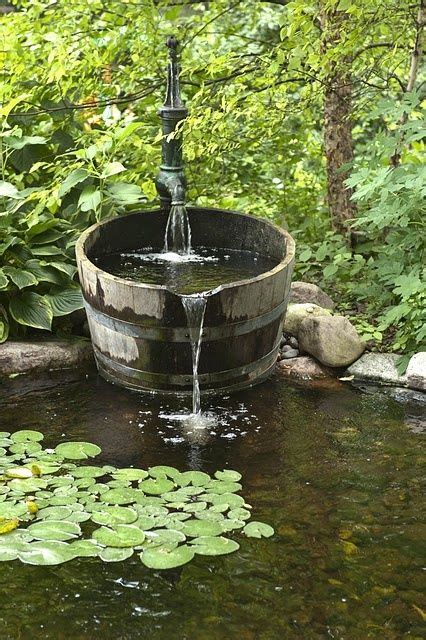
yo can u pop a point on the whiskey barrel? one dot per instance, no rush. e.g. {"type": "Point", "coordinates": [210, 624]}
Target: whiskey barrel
{"type": "Point", "coordinates": [139, 331]}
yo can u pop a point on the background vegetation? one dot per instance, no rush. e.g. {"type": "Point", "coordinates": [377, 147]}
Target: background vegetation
{"type": "Point", "coordinates": [308, 112]}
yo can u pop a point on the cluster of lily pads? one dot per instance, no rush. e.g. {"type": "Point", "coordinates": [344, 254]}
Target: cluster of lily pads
{"type": "Point", "coordinates": [54, 509]}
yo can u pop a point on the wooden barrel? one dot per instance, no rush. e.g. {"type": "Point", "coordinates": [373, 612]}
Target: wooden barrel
{"type": "Point", "coordinates": [139, 331]}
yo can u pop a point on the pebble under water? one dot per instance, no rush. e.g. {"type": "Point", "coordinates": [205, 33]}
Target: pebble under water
{"type": "Point", "coordinates": [336, 471]}
{"type": "Point", "coordinates": [186, 274]}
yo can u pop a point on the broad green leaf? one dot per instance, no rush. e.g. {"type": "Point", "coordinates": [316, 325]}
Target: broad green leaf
{"type": "Point", "coordinates": [47, 552]}
{"type": "Point", "coordinates": [4, 281]}
{"type": "Point", "coordinates": [111, 169]}
{"type": "Point", "coordinates": [114, 515]}
{"type": "Point", "coordinates": [20, 277]}
{"type": "Point", "coordinates": [90, 198]}
{"type": "Point", "coordinates": [75, 177]}
{"type": "Point", "coordinates": [54, 530]}
{"type": "Point", "coordinates": [258, 530]}
{"type": "Point", "coordinates": [19, 143]}
{"type": "Point", "coordinates": [163, 557]}
{"type": "Point", "coordinates": [115, 554]}
{"type": "Point", "coordinates": [77, 450]}
{"type": "Point", "coordinates": [119, 535]}
{"type": "Point", "coordinates": [214, 546]}
{"type": "Point", "coordinates": [31, 309]}
{"type": "Point", "coordinates": [26, 435]}
{"type": "Point", "coordinates": [8, 190]}
{"type": "Point", "coordinates": [65, 301]}
{"type": "Point", "coordinates": [124, 193]}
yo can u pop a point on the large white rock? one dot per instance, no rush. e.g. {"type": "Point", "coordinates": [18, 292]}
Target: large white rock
{"type": "Point", "coordinates": [416, 371]}
{"type": "Point", "coordinates": [301, 292]}
{"type": "Point", "coordinates": [332, 340]}
{"type": "Point", "coordinates": [296, 313]}
{"type": "Point", "coordinates": [379, 367]}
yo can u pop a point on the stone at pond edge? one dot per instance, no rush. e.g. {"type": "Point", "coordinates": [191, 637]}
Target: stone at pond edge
{"type": "Point", "coordinates": [416, 371]}
{"type": "Point", "coordinates": [296, 313]}
{"type": "Point", "coordinates": [289, 353]}
{"type": "Point", "coordinates": [378, 366]}
{"type": "Point", "coordinates": [332, 340]}
{"type": "Point", "coordinates": [302, 368]}
{"type": "Point", "coordinates": [301, 292]}
{"type": "Point", "coordinates": [29, 357]}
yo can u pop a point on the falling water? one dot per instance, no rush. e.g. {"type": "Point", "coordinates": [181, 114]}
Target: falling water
{"type": "Point", "coordinates": [178, 231]}
{"type": "Point", "coordinates": [195, 307]}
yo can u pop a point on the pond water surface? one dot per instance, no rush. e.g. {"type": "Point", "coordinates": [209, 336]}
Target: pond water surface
{"type": "Point", "coordinates": [334, 470]}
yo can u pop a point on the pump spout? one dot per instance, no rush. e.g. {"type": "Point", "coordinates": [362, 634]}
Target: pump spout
{"type": "Point", "coordinates": [171, 182]}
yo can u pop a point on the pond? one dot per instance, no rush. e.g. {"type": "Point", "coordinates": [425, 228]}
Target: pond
{"type": "Point", "coordinates": [334, 469]}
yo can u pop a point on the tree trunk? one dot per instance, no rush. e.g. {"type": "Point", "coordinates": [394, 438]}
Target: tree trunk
{"type": "Point", "coordinates": [338, 141]}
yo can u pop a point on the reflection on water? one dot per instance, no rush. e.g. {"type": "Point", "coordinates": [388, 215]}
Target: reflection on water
{"type": "Point", "coordinates": [336, 472]}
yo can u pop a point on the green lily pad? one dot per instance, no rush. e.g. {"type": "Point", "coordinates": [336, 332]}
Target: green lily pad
{"type": "Point", "coordinates": [161, 471]}
{"type": "Point", "coordinates": [214, 546]}
{"type": "Point", "coordinates": [228, 474]}
{"type": "Point", "coordinates": [126, 495]}
{"type": "Point", "coordinates": [115, 554]}
{"type": "Point", "coordinates": [19, 472]}
{"type": "Point", "coordinates": [8, 554]}
{"type": "Point", "coordinates": [28, 447]}
{"type": "Point", "coordinates": [89, 471]}
{"type": "Point", "coordinates": [47, 552]}
{"type": "Point", "coordinates": [258, 530]}
{"type": "Point", "coordinates": [77, 450]}
{"type": "Point", "coordinates": [119, 535]}
{"type": "Point", "coordinates": [231, 525]}
{"type": "Point", "coordinates": [196, 478]}
{"type": "Point", "coordinates": [156, 486]}
{"type": "Point", "coordinates": [54, 513]}
{"type": "Point", "coordinates": [197, 528]}
{"type": "Point", "coordinates": [239, 514]}
{"type": "Point", "coordinates": [194, 507]}
{"type": "Point", "coordinates": [26, 434]}
{"type": "Point", "coordinates": [84, 548]}
{"type": "Point", "coordinates": [219, 487]}
{"type": "Point", "coordinates": [233, 500]}
{"type": "Point", "coordinates": [114, 515]}
{"type": "Point", "coordinates": [164, 537]}
{"type": "Point", "coordinates": [54, 530]}
{"type": "Point", "coordinates": [163, 557]}
{"type": "Point", "coordinates": [130, 474]}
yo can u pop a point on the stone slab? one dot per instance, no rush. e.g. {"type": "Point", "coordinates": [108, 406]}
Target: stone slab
{"type": "Point", "coordinates": [303, 368]}
{"type": "Point", "coordinates": [49, 355]}
{"type": "Point", "coordinates": [380, 367]}
{"type": "Point", "coordinates": [416, 371]}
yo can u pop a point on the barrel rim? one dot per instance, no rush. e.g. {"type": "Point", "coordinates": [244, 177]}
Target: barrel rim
{"type": "Point", "coordinates": [82, 257]}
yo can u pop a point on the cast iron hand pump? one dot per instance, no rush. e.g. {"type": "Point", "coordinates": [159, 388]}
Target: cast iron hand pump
{"type": "Point", "coordinates": [171, 182]}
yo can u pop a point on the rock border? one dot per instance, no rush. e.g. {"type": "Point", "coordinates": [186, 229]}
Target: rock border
{"type": "Point", "coordinates": [27, 357]}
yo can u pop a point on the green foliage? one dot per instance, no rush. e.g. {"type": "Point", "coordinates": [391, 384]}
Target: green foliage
{"type": "Point", "coordinates": [80, 140]}
{"type": "Point", "coordinates": [69, 503]}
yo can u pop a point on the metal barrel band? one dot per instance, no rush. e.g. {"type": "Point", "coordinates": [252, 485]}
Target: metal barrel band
{"type": "Point", "coordinates": [164, 380]}
{"type": "Point", "coordinates": [180, 334]}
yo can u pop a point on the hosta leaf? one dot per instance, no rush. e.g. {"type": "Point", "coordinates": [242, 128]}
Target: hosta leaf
{"type": "Point", "coordinates": [32, 310]}
{"type": "Point", "coordinates": [258, 530]}
{"type": "Point", "coordinates": [20, 277]}
{"type": "Point", "coordinates": [65, 301]}
{"type": "Point", "coordinates": [54, 530]}
{"type": "Point", "coordinates": [214, 546]}
{"type": "Point", "coordinates": [77, 450]}
{"type": "Point", "coordinates": [119, 535]}
{"type": "Point", "coordinates": [163, 557]}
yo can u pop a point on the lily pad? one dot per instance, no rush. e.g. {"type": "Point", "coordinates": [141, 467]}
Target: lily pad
{"type": "Point", "coordinates": [26, 434]}
{"type": "Point", "coordinates": [77, 450]}
{"type": "Point", "coordinates": [233, 500]}
{"type": "Point", "coordinates": [19, 472]}
{"type": "Point", "coordinates": [114, 554]}
{"type": "Point", "coordinates": [160, 471]}
{"type": "Point", "coordinates": [239, 514]}
{"type": "Point", "coordinates": [214, 546]}
{"type": "Point", "coordinates": [114, 515]}
{"type": "Point", "coordinates": [156, 486]}
{"type": "Point", "coordinates": [163, 557]}
{"type": "Point", "coordinates": [54, 530]}
{"type": "Point", "coordinates": [164, 537]}
{"type": "Point", "coordinates": [119, 535]}
{"type": "Point", "coordinates": [47, 552]}
{"type": "Point", "coordinates": [54, 513]}
{"type": "Point", "coordinates": [228, 474]}
{"type": "Point", "coordinates": [196, 478]}
{"type": "Point", "coordinates": [130, 474]}
{"type": "Point", "coordinates": [89, 471]}
{"type": "Point", "coordinates": [84, 548]}
{"type": "Point", "coordinates": [126, 495]}
{"type": "Point", "coordinates": [197, 528]}
{"type": "Point", "coordinates": [258, 530]}
{"type": "Point", "coordinates": [217, 486]}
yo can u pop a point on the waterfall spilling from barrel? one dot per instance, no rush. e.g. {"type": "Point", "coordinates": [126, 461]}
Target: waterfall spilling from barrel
{"type": "Point", "coordinates": [195, 307]}
{"type": "Point", "coordinates": [178, 230]}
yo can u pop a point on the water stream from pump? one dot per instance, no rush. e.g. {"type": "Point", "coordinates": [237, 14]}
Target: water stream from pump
{"type": "Point", "coordinates": [195, 307]}
{"type": "Point", "coordinates": [178, 230]}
